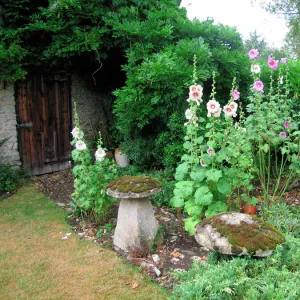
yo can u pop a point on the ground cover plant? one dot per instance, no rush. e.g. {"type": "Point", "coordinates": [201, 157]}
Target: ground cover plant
{"type": "Point", "coordinates": [39, 261]}
{"type": "Point", "coordinates": [275, 277]}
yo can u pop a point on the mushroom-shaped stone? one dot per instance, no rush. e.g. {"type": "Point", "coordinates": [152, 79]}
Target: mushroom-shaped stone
{"type": "Point", "coordinates": [136, 225]}
{"type": "Point", "coordinates": [238, 234]}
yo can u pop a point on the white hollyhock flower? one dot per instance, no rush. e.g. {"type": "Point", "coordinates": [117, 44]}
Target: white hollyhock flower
{"type": "Point", "coordinates": [202, 163]}
{"type": "Point", "coordinates": [189, 114]}
{"type": "Point", "coordinates": [80, 145]}
{"type": "Point", "coordinates": [210, 151]}
{"type": "Point", "coordinates": [77, 133]}
{"type": "Point", "coordinates": [233, 106]}
{"type": "Point", "coordinates": [255, 69]}
{"type": "Point", "coordinates": [281, 80]}
{"type": "Point", "coordinates": [100, 154]}
{"type": "Point", "coordinates": [212, 106]}
{"type": "Point", "coordinates": [229, 112]}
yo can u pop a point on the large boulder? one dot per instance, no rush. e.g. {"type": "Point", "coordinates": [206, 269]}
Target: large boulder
{"type": "Point", "coordinates": [238, 234]}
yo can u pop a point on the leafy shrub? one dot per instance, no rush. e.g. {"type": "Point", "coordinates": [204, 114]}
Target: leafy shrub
{"type": "Point", "coordinates": [275, 277]}
{"type": "Point", "coordinates": [10, 177]}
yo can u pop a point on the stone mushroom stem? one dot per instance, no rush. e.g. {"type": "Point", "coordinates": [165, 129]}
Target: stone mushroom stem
{"type": "Point", "coordinates": [137, 226]}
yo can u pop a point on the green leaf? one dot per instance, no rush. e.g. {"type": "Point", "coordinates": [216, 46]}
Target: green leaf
{"type": "Point", "coordinates": [188, 146]}
{"type": "Point", "coordinates": [224, 186]}
{"type": "Point", "coordinates": [177, 201]}
{"type": "Point", "coordinates": [181, 171]}
{"type": "Point", "coordinates": [190, 223]}
{"type": "Point", "coordinates": [203, 196]}
{"type": "Point", "coordinates": [184, 188]}
{"type": "Point", "coordinates": [216, 208]}
{"type": "Point", "coordinates": [265, 148]}
{"type": "Point", "coordinates": [222, 155]}
{"type": "Point", "coordinates": [214, 175]}
{"type": "Point", "coordinates": [199, 140]}
{"type": "Point", "coordinates": [198, 173]}
{"type": "Point", "coordinates": [192, 208]}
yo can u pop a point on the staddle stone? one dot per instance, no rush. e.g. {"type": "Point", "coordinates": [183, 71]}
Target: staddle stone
{"type": "Point", "coordinates": [136, 225]}
{"type": "Point", "coordinates": [238, 234]}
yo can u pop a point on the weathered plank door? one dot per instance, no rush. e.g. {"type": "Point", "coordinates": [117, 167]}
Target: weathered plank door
{"type": "Point", "coordinates": [44, 122]}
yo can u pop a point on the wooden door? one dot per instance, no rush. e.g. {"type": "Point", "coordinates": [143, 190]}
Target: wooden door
{"type": "Point", "coordinates": [44, 122]}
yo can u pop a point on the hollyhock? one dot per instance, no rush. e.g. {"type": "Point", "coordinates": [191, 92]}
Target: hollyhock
{"type": "Point", "coordinates": [77, 133]}
{"type": "Point", "coordinates": [236, 95]}
{"type": "Point", "coordinates": [253, 53]}
{"type": "Point", "coordinates": [229, 112]}
{"type": "Point", "coordinates": [287, 124]}
{"type": "Point", "coordinates": [189, 114]}
{"type": "Point", "coordinates": [283, 134]}
{"type": "Point", "coordinates": [218, 113]}
{"type": "Point", "coordinates": [258, 86]}
{"type": "Point", "coordinates": [233, 106]}
{"type": "Point", "coordinates": [210, 151]}
{"type": "Point", "coordinates": [255, 69]}
{"type": "Point", "coordinates": [202, 163]}
{"type": "Point", "coordinates": [283, 60]}
{"type": "Point", "coordinates": [80, 145]}
{"type": "Point", "coordinates": [272, 63]}
{"type": "Point", "coordinates": [100, 154]}
{"type": "Point", "coordinates": [212, 106]}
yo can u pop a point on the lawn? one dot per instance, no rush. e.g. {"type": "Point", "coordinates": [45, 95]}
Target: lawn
{"type": "Point", "coordinates": [36, 263]}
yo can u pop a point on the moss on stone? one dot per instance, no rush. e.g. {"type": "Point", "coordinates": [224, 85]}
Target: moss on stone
{"type": "Point", "coordinates": [134, 184]}
{"type": "Point", "coordinates": [259, 235]}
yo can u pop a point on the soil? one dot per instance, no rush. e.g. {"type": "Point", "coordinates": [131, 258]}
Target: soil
{"type": "Point", "coordinates": [177, 253]}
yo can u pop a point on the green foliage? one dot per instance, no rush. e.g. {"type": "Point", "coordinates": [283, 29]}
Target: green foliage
{"type": "Point", "coordinates": [275, 277]}
{"type": "Point", "coordinates": [217, 161]}
{"type": "Point", "coordinates": [270, 114]}
{"type": "Point", "coordinates": [91, 178]}
{"type": "Point", "coordinates": [10, 177]}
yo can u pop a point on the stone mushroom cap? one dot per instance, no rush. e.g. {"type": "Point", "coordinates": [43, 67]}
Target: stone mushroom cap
{"type": "Point", "coordinates": [133, 187]}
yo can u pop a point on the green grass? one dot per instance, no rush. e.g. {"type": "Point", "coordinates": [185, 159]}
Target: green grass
{"type": "Point", "coordinates": [35, 263]}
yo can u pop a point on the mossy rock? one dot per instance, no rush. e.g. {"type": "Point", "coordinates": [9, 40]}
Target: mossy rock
{"type": "Point", "coordinates": [238, 234]}
{"type": "Point", "coordinates": [133, 187]}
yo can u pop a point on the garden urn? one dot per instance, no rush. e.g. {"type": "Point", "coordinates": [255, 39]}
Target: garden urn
{"type": "Point", "coordinates": [136, 225]}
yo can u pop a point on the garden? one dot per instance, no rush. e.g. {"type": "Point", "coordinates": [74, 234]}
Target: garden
{"type": "Point", "coordinates": [192, 181]}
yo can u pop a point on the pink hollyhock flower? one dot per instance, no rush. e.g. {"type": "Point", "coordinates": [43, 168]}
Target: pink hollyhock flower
{"type": "Point", "coordinates": [233, 106]}
{"type": "Point", "coordinates": [210, 151]}
{"type": "Point", "coordinates": [229, 112]}
{"type": "Point", "coordinates": [193, 88]}
{"type": "Point", "coordinates": [283, 60]}
{"type": "Point", "coordinates": [218, 113]}
{"type": "Point", "coordinates": [272, 63]}
{"type": "Point", "coordinates": [212, 106]}
{"type": "Point", "coordinates": [283, 134]}
{"type": "Point", "coordinates": [287, 124]}
{"type": "Point", "coordinates": [200, 89]}
{"type": "Point", "coordinates": [236, 95]}
{"type": "Point", "coordinates": [253, 53]}
{"type": "Point", "coordinates": [202, 163]}
{"type": "Point", "coordinates": [258, 86]}
{"type": "Point", "coordinates": [195, 95]}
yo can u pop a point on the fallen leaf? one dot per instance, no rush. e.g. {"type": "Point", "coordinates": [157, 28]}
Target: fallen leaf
{"type": "Point", "coordinates": [204, 257]}
{"type": "Point", "coordinates": [135, 285]}
{"type": "Point", "coordinates": [175, 254]}
{"type": "Point", "coordinates": [127, 283]}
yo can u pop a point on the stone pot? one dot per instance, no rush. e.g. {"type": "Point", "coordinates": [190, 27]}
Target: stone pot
{"type": "Point", "coordinates": [121, 158]}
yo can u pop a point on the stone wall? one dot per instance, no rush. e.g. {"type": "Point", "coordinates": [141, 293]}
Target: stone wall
{"type": "Point", "coordinates": [91, 108]}
{"type": "Point", "coordinates": [9, 150]}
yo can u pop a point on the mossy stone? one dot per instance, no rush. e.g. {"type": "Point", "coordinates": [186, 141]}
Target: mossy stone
{"type": "Point", "coordinates": [134, 184]}
{"type": "Point", "coordinates": [244, 234]}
